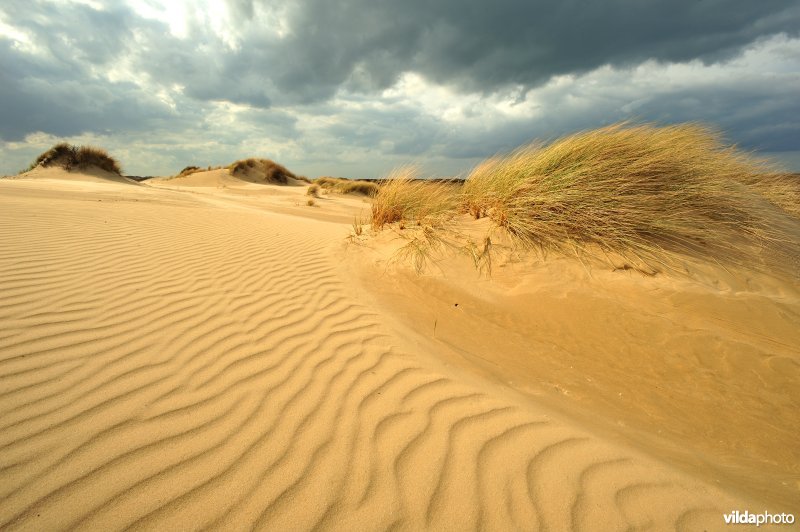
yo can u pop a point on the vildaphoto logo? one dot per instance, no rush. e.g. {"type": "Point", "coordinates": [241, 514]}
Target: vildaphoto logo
{"type": "Point", "coordinates": [764, 518]}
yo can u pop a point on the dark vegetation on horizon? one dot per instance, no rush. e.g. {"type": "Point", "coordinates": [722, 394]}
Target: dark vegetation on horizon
{"type": "Point", "coordinates": [251, 169]}
{"type": "Point", "coordinates": [264, 170]}
{"type": "Point", "coordinates": [77, 157]}
{"type": "Point", "coordinates": [347, 186]}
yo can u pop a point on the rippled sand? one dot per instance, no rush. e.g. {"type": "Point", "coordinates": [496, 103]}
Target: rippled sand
{"type": "Point", "coordinates": [206, 353]}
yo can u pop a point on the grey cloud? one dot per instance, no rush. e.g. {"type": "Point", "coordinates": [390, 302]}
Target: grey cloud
{"type": "Point", "coordinates": [74, 34]}
{"type": "Point", "coordinates": [205, 66]}
{"type": "Point", "coordinates": [753, 120]}
{"type": "Point", "coordinates": [242, 8]}
{"type": "Point", "coordinates": [61, 89]}
{"type": "Point", "coordinates": [401, 130]}
{"type": "Point", "coordinates": [274, 123]}
{"type": "Point", "coordinates": [756, 115]}
{"type": "Point", "coordinates": [58, 101]}
{"type": "Point", "coordinates": [481, 46]}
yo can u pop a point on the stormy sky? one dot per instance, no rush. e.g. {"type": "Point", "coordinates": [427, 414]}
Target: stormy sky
{"type": "Point", "coordinates": [356, 87]}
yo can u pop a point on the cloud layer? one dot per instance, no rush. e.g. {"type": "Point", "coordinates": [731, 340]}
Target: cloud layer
{"type": "Point", "coordinates": [357, 86]}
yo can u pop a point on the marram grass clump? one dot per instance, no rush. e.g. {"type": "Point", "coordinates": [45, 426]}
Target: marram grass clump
{"type": "Point", "coordinates": [405, 199]}
{"type": "Point", "coordinates": [77, 158]}
{"type": "Point", "coordinates": [641, 192]}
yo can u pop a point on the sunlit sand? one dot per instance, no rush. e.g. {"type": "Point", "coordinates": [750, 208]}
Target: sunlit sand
{"type": "Point", "coordinates": [205, 351]}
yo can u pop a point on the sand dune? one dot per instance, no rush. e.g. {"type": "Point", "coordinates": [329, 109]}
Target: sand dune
{"type": "Point", "coordinates": [173, 359]}
{"type": "Point", "coordinates": [220, 177]}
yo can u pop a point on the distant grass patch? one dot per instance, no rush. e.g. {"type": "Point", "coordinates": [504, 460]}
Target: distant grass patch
{"type": "Point", "coordinates": [77, 157]}
{"type": "Point", "coordinates": [189, 170]}
{"type": "Point", "coordinates": [313, 191]}
{"type": "Point", "coordinates": [261, 170]}
{"type": "Point", "coordinates": [347, 186]}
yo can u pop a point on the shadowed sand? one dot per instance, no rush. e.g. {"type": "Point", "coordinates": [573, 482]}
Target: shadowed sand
{"type": "Point", "coordinates": [207, 353]}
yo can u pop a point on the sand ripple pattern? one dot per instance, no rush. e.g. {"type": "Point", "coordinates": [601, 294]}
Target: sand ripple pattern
{"type": "Point", "coordinates": [170, 368]}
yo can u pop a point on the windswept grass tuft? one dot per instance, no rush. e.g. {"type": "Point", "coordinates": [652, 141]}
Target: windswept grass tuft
{"type": "Point", "coordinates": [78, 157]}
{"type": "Point", "coordinates": [402, 198]}
{"type": "Point", "coordinates": [642, 192]}
{"type": "Point", "coordinates": [313, 191]}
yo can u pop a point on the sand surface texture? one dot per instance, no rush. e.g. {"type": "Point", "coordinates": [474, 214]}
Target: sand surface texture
{"type": "Point", "coordinates": [213, 354]}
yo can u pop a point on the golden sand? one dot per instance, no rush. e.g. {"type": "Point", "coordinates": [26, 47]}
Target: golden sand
{"type": "Point", "coordinates": [205, 352]}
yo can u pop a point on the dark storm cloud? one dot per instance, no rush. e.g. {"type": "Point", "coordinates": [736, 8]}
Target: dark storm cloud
{"type": "Point", "coordinates": [363, 45]}
{"type": "Point", "coordinates": [761, 119]}
{"type": "Point", "coordinates": [754, 115]}
{"type": "Point", "coordinates": [310, 75]}
{"type": "Point", "coordinates": [479, 45]}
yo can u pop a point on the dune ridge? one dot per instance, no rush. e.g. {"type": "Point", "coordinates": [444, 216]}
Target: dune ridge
{"type": "Point", "coordinates": [174, 363]}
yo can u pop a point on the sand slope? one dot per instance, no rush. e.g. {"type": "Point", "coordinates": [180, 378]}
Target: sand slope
{"type": "Point", "coordinates": [700, 370]}
{"type": "Point", "coordinates": [172, 361]}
